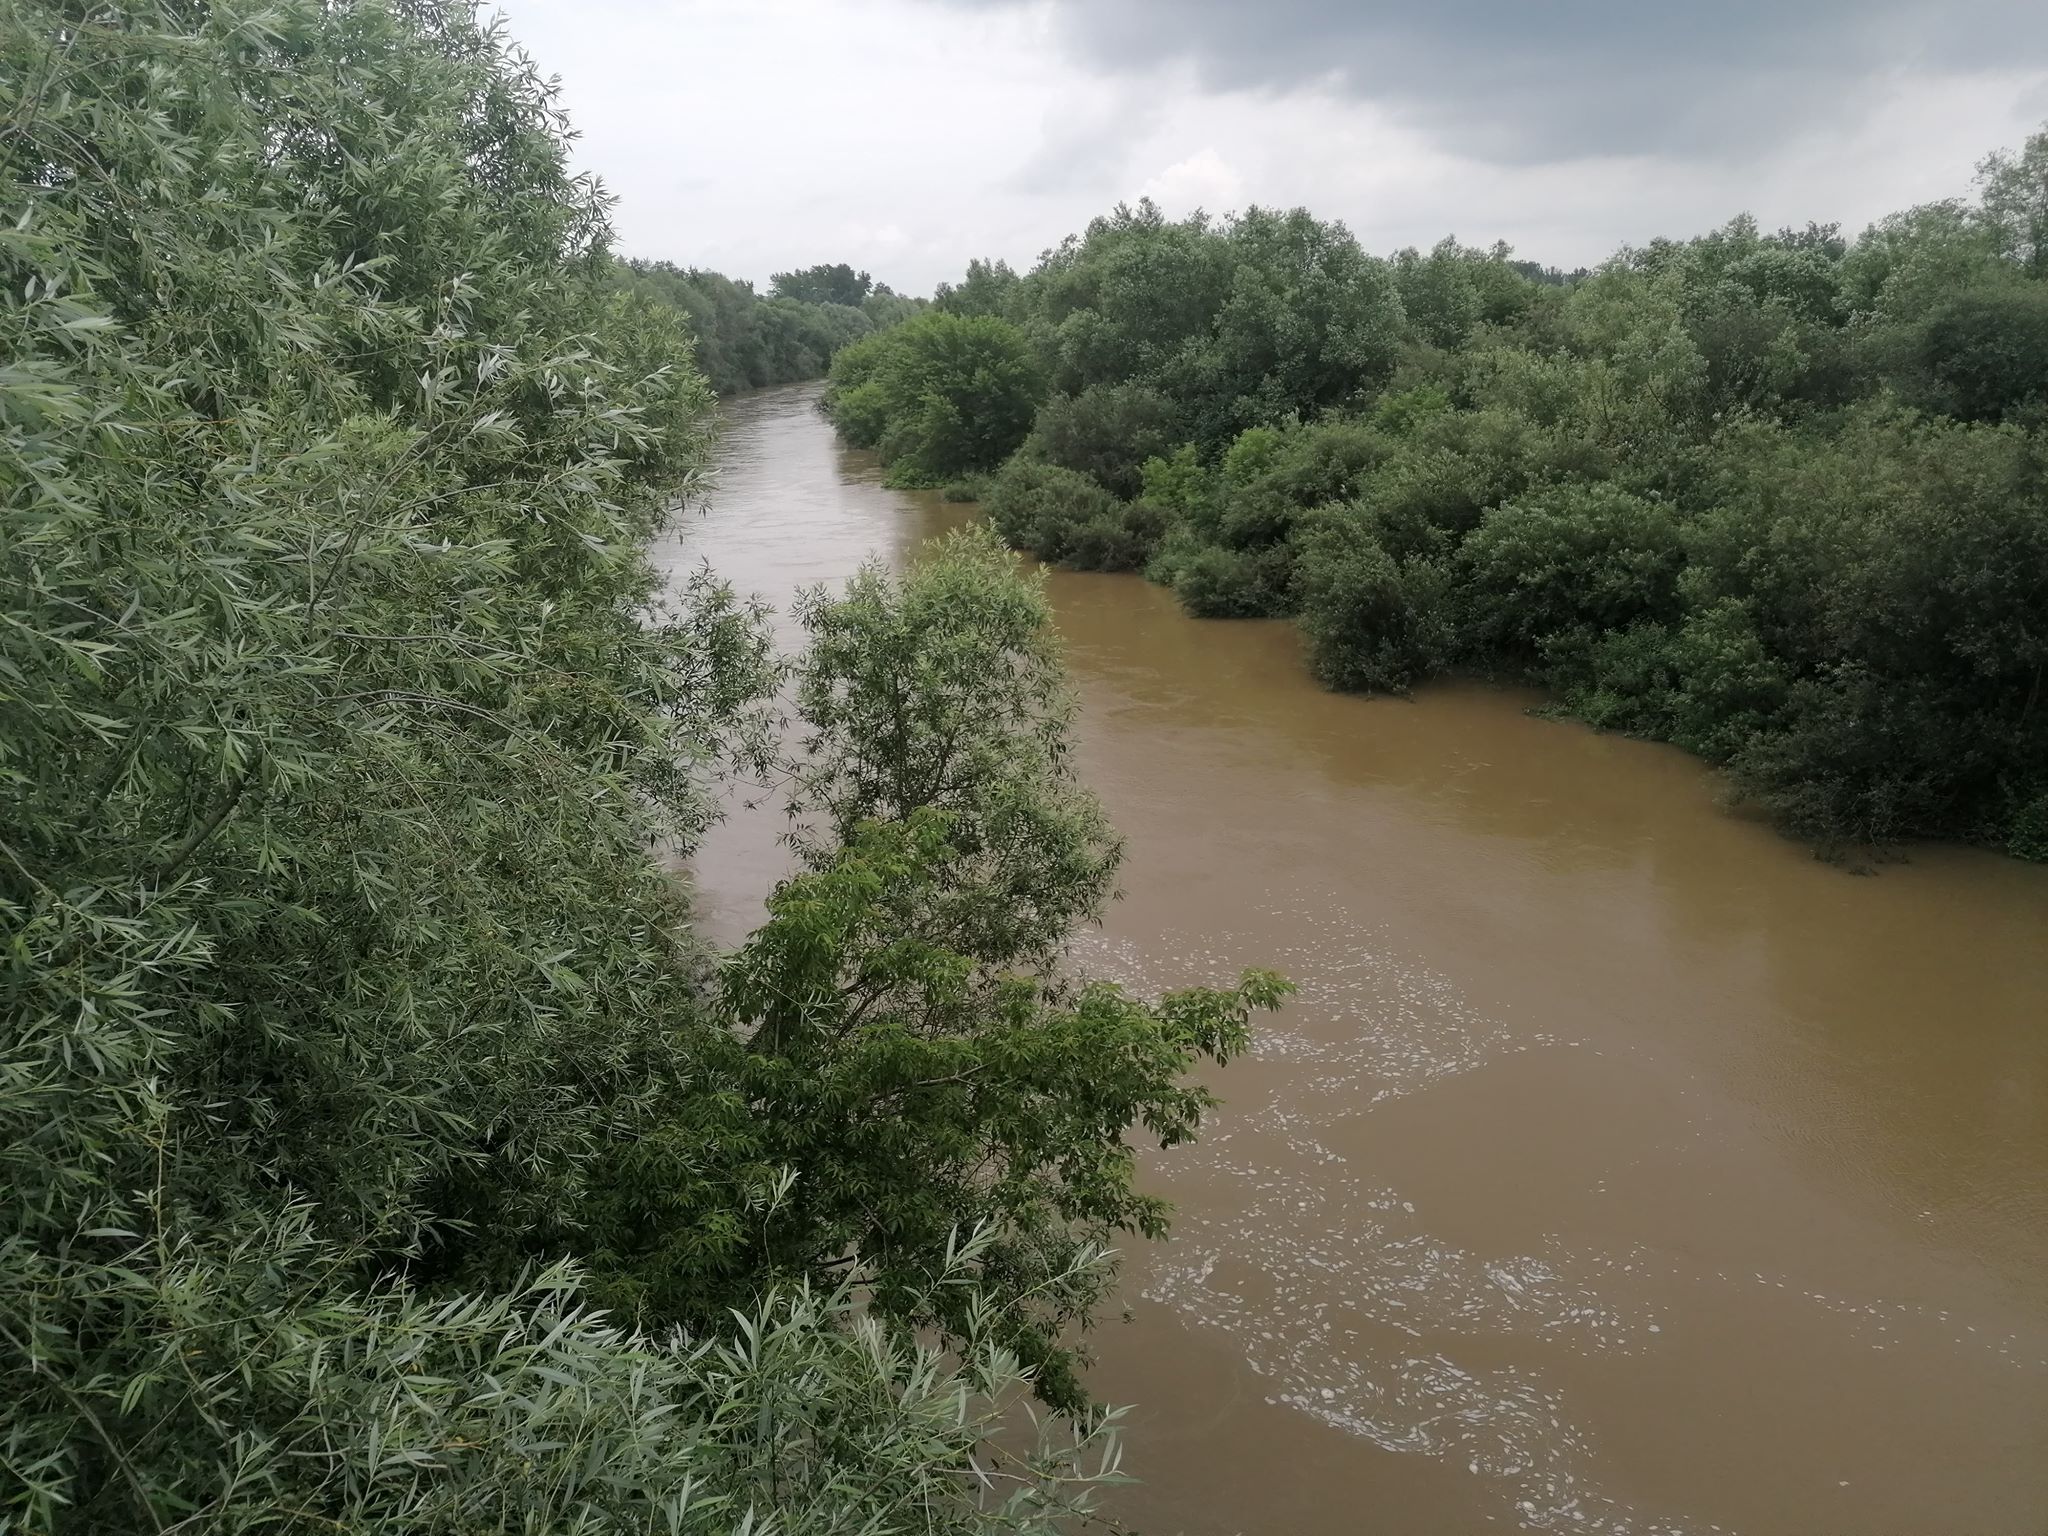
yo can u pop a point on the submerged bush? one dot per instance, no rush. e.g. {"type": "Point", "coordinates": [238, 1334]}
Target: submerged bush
{"type": "Point", "coordinates": [1571, 561]}
{"type": "Point", "coordinates": [1370, 624]}
{"type": "Point", "coordinates": [1066, 518]}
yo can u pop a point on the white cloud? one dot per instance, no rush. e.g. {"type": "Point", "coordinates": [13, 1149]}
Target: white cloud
{"type": "Point", "coordinates": [906, 137]}
{"type": "Point", "coordinates": [1204, 180]}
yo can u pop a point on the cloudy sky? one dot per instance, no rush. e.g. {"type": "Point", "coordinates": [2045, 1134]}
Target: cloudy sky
{"type": "Point", "coordinates": [906, 136]}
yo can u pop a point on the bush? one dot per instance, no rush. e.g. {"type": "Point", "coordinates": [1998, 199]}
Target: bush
{"type": "Point", "coordinates": [1581, 559]}
{"type": "Point", "coordinates": [1369, 623]}
{"type": "Point", "coordinates": [2027, 831]}
{"type": "Point", "coordinates": [1124, 540]}
{"type": "Point", "coordinates": [939, 396]}
{"type": "Point", "coordinates": [1106, 432]}
{"type": "Point", "coordinates": [1064, 517]}
{"type": "Point", "coordinates": [1985, 352]}
{"type": "Point", "coordinates": [1216, 583]}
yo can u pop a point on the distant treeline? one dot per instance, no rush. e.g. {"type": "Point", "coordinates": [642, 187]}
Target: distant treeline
{"type": "Point", "coordinates": [1779, 498]}
{"type": "Point", "coordinates": [745, 341]}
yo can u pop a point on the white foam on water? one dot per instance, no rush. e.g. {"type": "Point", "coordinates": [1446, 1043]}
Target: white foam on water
{"type": "Point", "coordinates": [1310, 1266]}
{"type": "Point", "coordinates": [1319, 1276]}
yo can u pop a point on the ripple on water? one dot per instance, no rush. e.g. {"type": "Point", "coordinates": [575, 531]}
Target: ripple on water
{"type": "Point", "coordinates": [1333, 1287]}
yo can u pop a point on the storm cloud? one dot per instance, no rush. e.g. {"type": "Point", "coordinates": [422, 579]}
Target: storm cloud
{"type": "Point", "coordinates": [1518, 82]}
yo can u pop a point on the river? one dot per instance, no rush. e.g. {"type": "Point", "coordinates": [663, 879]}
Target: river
{"type": "Point", "coordinates": [1621, 1167]}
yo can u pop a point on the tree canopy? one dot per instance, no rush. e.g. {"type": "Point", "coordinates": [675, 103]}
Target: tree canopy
{"type": "Point", "coordinates": [826, 283]}
{"type": "Point", "coordinates": [940, 396]}
{"type": "Point", "coordinates": [744, 341]}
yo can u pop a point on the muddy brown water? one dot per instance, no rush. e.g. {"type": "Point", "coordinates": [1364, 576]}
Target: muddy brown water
{"type": "Point", "coordinates": [1620, 1167]}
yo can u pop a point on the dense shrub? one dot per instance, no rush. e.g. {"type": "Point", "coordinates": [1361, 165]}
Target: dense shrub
{"type": "Point", "coordinates": [1370, 623]}
{"type": "Point", "coordinates": [1216, 583]}
{"type": "Point", "coordinates": [1067, 518]}
{"type": "Point", "coordinates": [1574, 560]}
{"type": "Point", "coordinates": [1106, 432]}
{"type": "Point", "coordinates": [1986, 352]}
{"type": "Point", "coordinates": [938, 397]}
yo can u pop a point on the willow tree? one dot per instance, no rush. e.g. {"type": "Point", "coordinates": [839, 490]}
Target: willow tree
{"type": "Point", "coordinates": [334, 737]}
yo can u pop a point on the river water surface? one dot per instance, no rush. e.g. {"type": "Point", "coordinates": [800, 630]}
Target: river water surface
{"type": "Point", "coordinates": [1619, 1168]}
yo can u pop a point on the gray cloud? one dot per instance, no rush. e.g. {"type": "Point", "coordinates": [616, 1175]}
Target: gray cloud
{"type": "Point", "coordinates": [1520, 81]}
{"type": "Point", "coordinates": [1085, 148]}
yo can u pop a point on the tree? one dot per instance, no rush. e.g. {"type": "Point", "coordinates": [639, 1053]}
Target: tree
{"type": "Point", "coordinates": [1106, 432]}
{"type": "Point", "coordinates": [988, 289]}
{"type": "Point", "coordinates": [746, 342]}
{"type": "Point", "coordinates": [1065, 517]}
{"type": "Point", "coordinates": [1985, 351]}
{"type": "Point", "coordinates": [1311, 322]}
{"type": "Point", "coordinates": [2013, 202]}
{"type": "Point", "coordinates": [939, 396]}
{"type": "Point", "coordinates": [1568, 560]}
{"type": "Point", "coordinates": [923, 1089]}
{"type": "Point", "coordinates": [836, 283]}
{"type": "Point", "coordinates": [942, 690]}
{"type": "Point", "coordinates": [913, 1052]}
{"type": "Point", "coordinates": [1370, 624]}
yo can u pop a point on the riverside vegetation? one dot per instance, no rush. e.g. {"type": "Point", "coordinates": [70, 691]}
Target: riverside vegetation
{"type": "Point", "coordinates": [378, 1150]}
{"type": "Point", "coordinates": [1781, 499]}
{"type": "Point", "coordinates": [745, 341]}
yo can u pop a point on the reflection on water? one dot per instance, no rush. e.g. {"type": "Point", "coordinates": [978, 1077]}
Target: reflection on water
{"type": "Point", "coordinates": [1619, 1168]}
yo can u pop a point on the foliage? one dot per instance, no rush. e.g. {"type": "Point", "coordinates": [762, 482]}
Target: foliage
{"type": "Point", "coordinates": [1566, 562]}
{"type": "Point", "coordinates": [927, 1090]}
{"type": "Point", "coordinates": [939, 396]}
{"type": "Point", "coordinates": [912, 1047]}
{"type": "Point", "coordinates": [988, 289]}
{"type": "Point", "coordinates": [1066, 518]}
{"type": "Point", "coordinates": [833, 283]}
{"type": "Point", "coordinates": [943, 690]}
{"type": "Point", "coordinates": [1106, 432]}
{"type": "Point", "coordinates": [1776, 497]}
{"type": "Point", "coordinates": [1369, 622]}
{"type": "Point", "coordinates": [1986, 352]}
{"type": "Point", "coordinates": [747, 342]}
{"type": "Point", "coordinates": [340, 712]}
{"type": "Point", "coordinates": [2013, 205]}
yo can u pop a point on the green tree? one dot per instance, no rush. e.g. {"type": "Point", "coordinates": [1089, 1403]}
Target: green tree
{"type": "Point", "coordinates": [1567, 562]}
{"type": "Point", "coordinates": [943, 690]}
{"type": "Point", "coordinates": [827, 283]}
{"type": "Point", "coordinates": [989, 288]}
{"type": "Point", "coordinates": [1370, 624]}
{"type": "Point", "coordinates": [940, 396]}
{"type": "Point", "coordinates": [1106, 432]}
{"type": "Point", "coordinates": [1066, 518]}
{"type": "Point", "coordinates": [747, 342]}
{"type": "Point", "coordinates": [1984, 352]}
{"type": "Point", "coordinates": [913, 1051]}
{"type": "Point", "coordinates": [2013, 204]}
